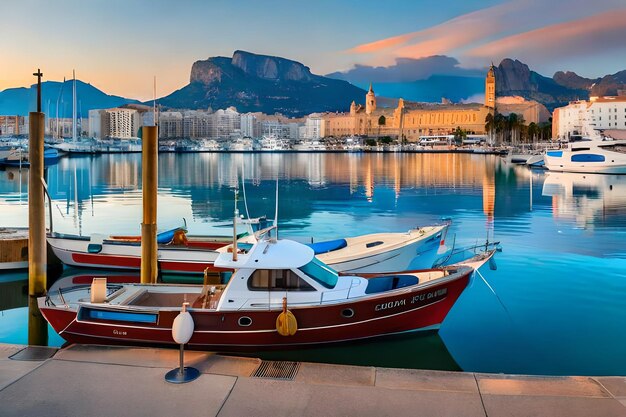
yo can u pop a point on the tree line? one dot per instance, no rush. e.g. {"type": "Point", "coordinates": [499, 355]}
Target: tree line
{"type": "Point", "coordinates": [512, 129]}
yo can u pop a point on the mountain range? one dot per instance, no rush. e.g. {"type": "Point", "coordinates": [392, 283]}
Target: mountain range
{"type": "Point", "coordinates": [269, 84]}
{"type": "Point", "coordinates": [261, 83]}
{"type": "Point", "coordinates": [442, 76]}
{"type": "Point", "coordinates": [20, 101]}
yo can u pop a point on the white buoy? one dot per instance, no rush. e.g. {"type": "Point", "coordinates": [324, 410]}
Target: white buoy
{"type": "Point", "coordinates": [182, 330]}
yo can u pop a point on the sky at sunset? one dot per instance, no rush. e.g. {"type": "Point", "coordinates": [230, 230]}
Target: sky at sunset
{"type": "Point", "coordinates": [118, 45]}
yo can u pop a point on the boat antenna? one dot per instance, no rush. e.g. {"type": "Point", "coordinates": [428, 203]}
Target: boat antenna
{"type": "Point", "coordinates": [154, 116]}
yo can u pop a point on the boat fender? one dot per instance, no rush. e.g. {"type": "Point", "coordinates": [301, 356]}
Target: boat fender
{"type": "Point", "coordinates": [286, 323]}
{"type": "Point", "coordinates": [183, 326]}
{"type": "Point", "coordinates": [180, 238]}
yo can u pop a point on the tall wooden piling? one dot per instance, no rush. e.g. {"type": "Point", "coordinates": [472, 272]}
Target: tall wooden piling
{"type": "Point", "coordinates": [149, 175]}
{"type": "Point", "coordinates": [36, 207]}
{"type": "Point", "coordinates": [37, 256]}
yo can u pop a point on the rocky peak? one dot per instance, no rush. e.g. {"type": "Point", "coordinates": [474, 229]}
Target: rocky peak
{"type": "Point", "coordinates": [209, 71]}
{"type": "Point", "coordinates": [513, 75]}
{"type": "Point", "coordinates": [270, 67]}
{"type": "Point", "coordinates": [570, 79]}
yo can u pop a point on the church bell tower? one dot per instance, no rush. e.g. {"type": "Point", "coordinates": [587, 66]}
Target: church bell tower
{"type": "Point", "coordinates": [370, 101]}
{"type": "Point", "coordinates": [490, 88]}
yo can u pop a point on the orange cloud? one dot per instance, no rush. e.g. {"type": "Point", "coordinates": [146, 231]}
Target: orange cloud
{"type": "Point", "coordinates": [382, 44]}
{"type": "Point", "coordinates": [596, 33]}
{"type": "Point", "coordinates": [448, 36]}
{"type": "Point", "coordinates": [523, 29]}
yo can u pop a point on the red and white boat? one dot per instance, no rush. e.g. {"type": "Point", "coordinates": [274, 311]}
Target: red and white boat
{"type": "Point", "coordinates": [190, 257]}
{"type": "Point", "coordinates": [372, 253]}
{"type": "Point", "coordinates": [279, 296]}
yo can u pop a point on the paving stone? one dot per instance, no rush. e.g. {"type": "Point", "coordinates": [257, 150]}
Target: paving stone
{"type": "Point", "coordinates": [65, 388]}
{"type": "Point", "coordinates": [257, 397]}
{"type": "Point", "coordinates": [319, 373]}
{"type": "Point", "coordinates": [11, 370]}
{"type": "Point", "coordinates": [539, 406]}
{"type": "Point", "coordinates": [229, 365]}
{"type": "Point", "coordinates": [425, 380]}
{"type": "Point", "coordinates": [532, 385]}
{"type": "Point", "coordinates": [131, 356]}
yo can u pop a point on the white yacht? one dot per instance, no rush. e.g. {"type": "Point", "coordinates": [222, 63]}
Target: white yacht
{"type": "Point", "coordinates": [353, 144]}
{"type": "Point", "coordinates": [241, 145]}
{"type": "Point", "coordinates": [592, 156]}
{"type": "Point", "coordinates": [209, 145]}
{"type": "Point", "coordinates": [310, 146]}
{"type": "Point", "coordinates": [272, 144]}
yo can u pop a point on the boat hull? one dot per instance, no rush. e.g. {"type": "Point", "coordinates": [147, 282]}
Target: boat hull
{"type": "Point", "coordinates": [413, 252]}
{"type": "Point", "coordinates": [404, 310]}
{"type": "Point", "coordinates": [596, 160]}
{"type": "Point", "coordinates": [176, 260]}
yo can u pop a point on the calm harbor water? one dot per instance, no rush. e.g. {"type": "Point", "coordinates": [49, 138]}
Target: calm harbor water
{"type": "Point", "coordinates": [561, 277]}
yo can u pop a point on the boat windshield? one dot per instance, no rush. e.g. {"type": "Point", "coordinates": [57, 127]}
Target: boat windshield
{"type": "Point", "coordinates": [321, 273]}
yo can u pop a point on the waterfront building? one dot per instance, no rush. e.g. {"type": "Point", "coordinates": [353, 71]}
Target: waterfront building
{"type": "Point", "coordinates": [13, 125]}
{"type": "Point", "coordinates": [170, 125]}
{"type": "Point", "coordinates": [120, 123]}
{"type": "Point", "coordinates": [590, 118]}
{"type": "Point", "coordinates": [411, 120]}
{"type": "Point", "coordinates": [314, 127]}
{"type": "Point", "coordinates": [226, 122]}
{"type": "Point", "coordinates": [199, 125]}
{"type": "Point", "coordinates": [62, 127]}
{"type": "Point", "coordinates": [250, 126]}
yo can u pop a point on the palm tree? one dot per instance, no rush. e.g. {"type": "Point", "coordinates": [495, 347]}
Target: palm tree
{"type": "Point", "coordinates": [459, 135]}
{"type": "Point", "coordinates": [500, 125]}
{"type": "Point", "coordinates": [489, 125]}
{"type": "Point", "coordinates": [533, 130]}
{"type": "Point", "coordinates": [513, 124]}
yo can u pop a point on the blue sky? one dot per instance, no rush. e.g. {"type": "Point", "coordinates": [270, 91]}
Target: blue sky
{"type": "Point", "coordinates": [119, 45]}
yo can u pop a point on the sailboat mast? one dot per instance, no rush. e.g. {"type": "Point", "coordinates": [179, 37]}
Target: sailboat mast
{"type": "Point", "coordinates": [154, 110]}
{"type": "Point", "coordinates": [74, 107]}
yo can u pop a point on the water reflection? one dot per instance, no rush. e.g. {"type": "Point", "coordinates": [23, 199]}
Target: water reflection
{"type": "Point", "coordinates": [590, 200]}
{"type": "Point", "coordinates": [562, 272]}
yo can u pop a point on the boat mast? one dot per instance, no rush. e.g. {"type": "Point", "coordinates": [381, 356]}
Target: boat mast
{"type": "Point", "coordinates": [57, 113]}
{"type": "Point", "coordinates": [154, 111]}
{"type": "Point", "coordinates": [74, 107]}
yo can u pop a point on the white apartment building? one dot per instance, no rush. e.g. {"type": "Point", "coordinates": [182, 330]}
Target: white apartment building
{"type": "Point", "coordinates": [313, 127]}
{"type": "Point", "coordinates": [249, 125]}
{"type": "Point", "coordinates": [170, 125]}
{"type": "Point", "coordinates": [123, 123]}
{"type": "Point", "coordinates": [607, 113]}
{"type": "Point", "coordinates": [227, 122]}
{"type": "Point", "coordinates": [119, 123]}
{"type": "Point", "coordinates": [590, 118]}
{"type": "Point", "coordinates": [199, 124]}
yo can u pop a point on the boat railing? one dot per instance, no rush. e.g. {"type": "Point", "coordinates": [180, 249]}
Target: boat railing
{"type": "Point", "coordinates": [266, 232]}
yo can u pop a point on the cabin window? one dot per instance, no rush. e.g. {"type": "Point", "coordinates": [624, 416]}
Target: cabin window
{"type": "Point", "coordinates": [277, 280]}
{"type": "Point", "coordinates": [321, 273]}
